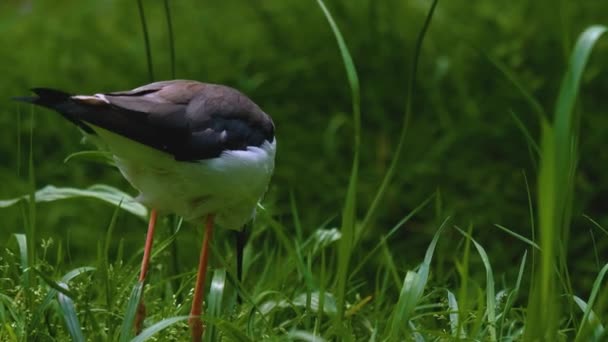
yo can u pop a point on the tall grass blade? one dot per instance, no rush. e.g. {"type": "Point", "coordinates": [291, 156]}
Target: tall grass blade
{"type": "Point", "coordinates": [524, 130]}
{"type": "Point", "coordinates": [555, 191]}
{"type": "Point", "coordinates": [69, 315]}
{"type": "Point", "coordinates": [19, 141]}
{"type": "Point", "coordinates": [512, 296]}
{"type": "Point", "coordinates": [144, 27]}
{"type": "Point", "coordinates": [371, 212]}
{"type": "Point", "coordinates": [101, 192]}
{"type": "Point", "coordinates": [490, 288]}
{"type": "Point", "coordinates": [127, 328]}
{"type": "Point", "coordinates": [104, 263]}
{"type": "Point", "coordinates": [214, 303]}
{"type": "Point", "coordinates": [593, 322]}
{"type": "Point", "coordinates": [170, 33]}
{"type": "Point", "coordinates": [596, 224]}
{"type": "Point", "coordinates": [455, 326]}
{"type": "Point", "coordinates": [536, 107]}
{"type": "Point", "coordinates": [30, 231]}
{"type": "Point", "coordinates": [23, 255]}
{"type": "Point", "coordinates": [564, 109]}
{"type": "Point", "coordinates": [587, 319]}
{"type": "Point", "coordinates": [412, 290]}
{"type": "Point", "coordinates": [76, 272]}
{"type": "Point", "coordinates": [518, 236]}
{"type": "Point", "coordinates": [345, 244]}
{"type": "Point", "coordinates": [55, 287]}
{"type": "Point", "coordinates": [393, 230]}
{"type": "Point", "coordinates": [64, 297]}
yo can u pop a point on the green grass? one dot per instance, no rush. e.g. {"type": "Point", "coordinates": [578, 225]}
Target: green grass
{"type": "Point", "coordinates": [347, 247]}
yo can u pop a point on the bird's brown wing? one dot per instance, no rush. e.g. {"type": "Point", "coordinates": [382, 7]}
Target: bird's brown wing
{"type": "Point", "coordinates": [187, 119]}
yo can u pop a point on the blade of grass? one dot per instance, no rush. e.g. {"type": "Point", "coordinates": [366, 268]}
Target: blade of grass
{"type": "Point", "coordinates": [345, 244]}
{"type": "Point", "coordinates": [18, 141]}
{"type": "Point", "coordinates": [536, 107]}
{"type": "Point", "coordinates": [64, 297]}
{"type": "Point", "coordinates": [512, 296]}
{"type": "Point", "coordinates": [555, 194]}
{"type": "Point", "coordinates": [524, 130]}
{"type": "Point", "coordinates": [48, 299]}
{"type": "Point", "coordinates": [170, 34]}
{"type": "Point", "coordinates": [144, 28]}
{"type": "Point", "coordinates": [566, 120]}
{"type": "Point", "coordinates": [76, 272]}
{"type": "Point", "coordinates": [393, 230]}
{"type": "Point", "coordinates": [53, 284]}
{"type": "Point", "coordinates": [412, 290]}
{"type": "Point", "coordinates": [105, 266]}
{"type": "Point", "coordinates": [214, 303]}
{"type": "Point", "coordinates": [580, 334]}
{"type": "Point", "coordinates": [23, 254]}
{"type": "Point", "coordinates": [594, 322]}
{"type": "Point", "coordinates": [517, 236]}
{"type": "Point", "coordinates": [69, 314]}
{"type": "Point", "coordinates": [129, 317]}
{"type": "Point", "coordinates": [463, 270]}
{"type": "Point", "coordinates": [322, 277]}
{"type": "Point", "coordinates": [296, 217]}
{"type": "Point", "coordinates": [101, 192]}
{"type": "Point", "coordinates": [564, 109]}
{"type": "Point", "coordinates": [596, 224]}
{"type": "Point", "coordinates": [371, 212]}
{"type": "Point", "coordinates": [490, 289]}
{"type": "Point", "coordinates": [31, 222]}
{"type": "Point", "coordinates": [454, 313]}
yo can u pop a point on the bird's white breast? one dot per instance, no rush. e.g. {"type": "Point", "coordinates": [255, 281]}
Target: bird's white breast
{"type": "Point", "coordinates": [229, 186]}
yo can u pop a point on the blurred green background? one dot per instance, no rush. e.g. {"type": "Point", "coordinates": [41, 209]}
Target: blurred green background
{"type": "Point", "coordinates": [463, 142]}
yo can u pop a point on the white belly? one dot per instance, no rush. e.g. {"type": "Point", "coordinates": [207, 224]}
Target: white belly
{"type": "Point", "coordinates": [229, 186]}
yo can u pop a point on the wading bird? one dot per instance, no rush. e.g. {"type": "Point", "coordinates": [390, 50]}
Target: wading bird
{"type": "Point", "coordinates": [202, 151]}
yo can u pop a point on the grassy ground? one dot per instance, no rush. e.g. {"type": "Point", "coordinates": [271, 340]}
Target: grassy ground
{"type": "Point", "coordinates": [440, 173]}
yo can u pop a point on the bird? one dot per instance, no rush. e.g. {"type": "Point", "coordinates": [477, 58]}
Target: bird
{"type": "Point", "coordinates": [203, 151]}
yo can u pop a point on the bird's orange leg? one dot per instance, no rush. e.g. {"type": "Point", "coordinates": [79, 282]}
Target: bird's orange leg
{"type": "Point", "coordinates": [196, 325]}
{"type": "Point", "coordinates": [141, 309]}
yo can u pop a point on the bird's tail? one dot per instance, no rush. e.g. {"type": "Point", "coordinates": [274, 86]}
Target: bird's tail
{"type": "Point", "coordinates": [46, 97]}
{"type": "Point", "coordinates": [58, 101]}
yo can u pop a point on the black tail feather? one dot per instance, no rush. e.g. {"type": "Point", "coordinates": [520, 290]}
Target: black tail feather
{"type": "Point", "coordinates": [58, 101]}
{"type": "Point", "coordinates": [46, 97]}
{"type": "Point", "coordinates": [49, 97]}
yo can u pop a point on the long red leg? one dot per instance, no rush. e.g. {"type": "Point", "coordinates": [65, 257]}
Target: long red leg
{"type": "Point", "coordinates": [141, 309]}
{"type": "Point", "coordinates": [195, 322]}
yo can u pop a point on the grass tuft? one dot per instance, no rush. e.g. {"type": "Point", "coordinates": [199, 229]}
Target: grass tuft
{"type": "Point", "coordinates": [126, 331]}
{"type": "Point", "coordinates": [69, 314]}
{"type": "Point", "coordinates": [345, 245]}
{"type": "Point", "coordinates": [555, 194]}
{"type": "Point", "coordinates": [412, 290]}
{"type": "Point", "coordinates": [214, 302]}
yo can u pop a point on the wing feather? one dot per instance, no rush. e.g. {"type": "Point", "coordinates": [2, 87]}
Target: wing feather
{"type": "Point", "coordinates": [187, 119]}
